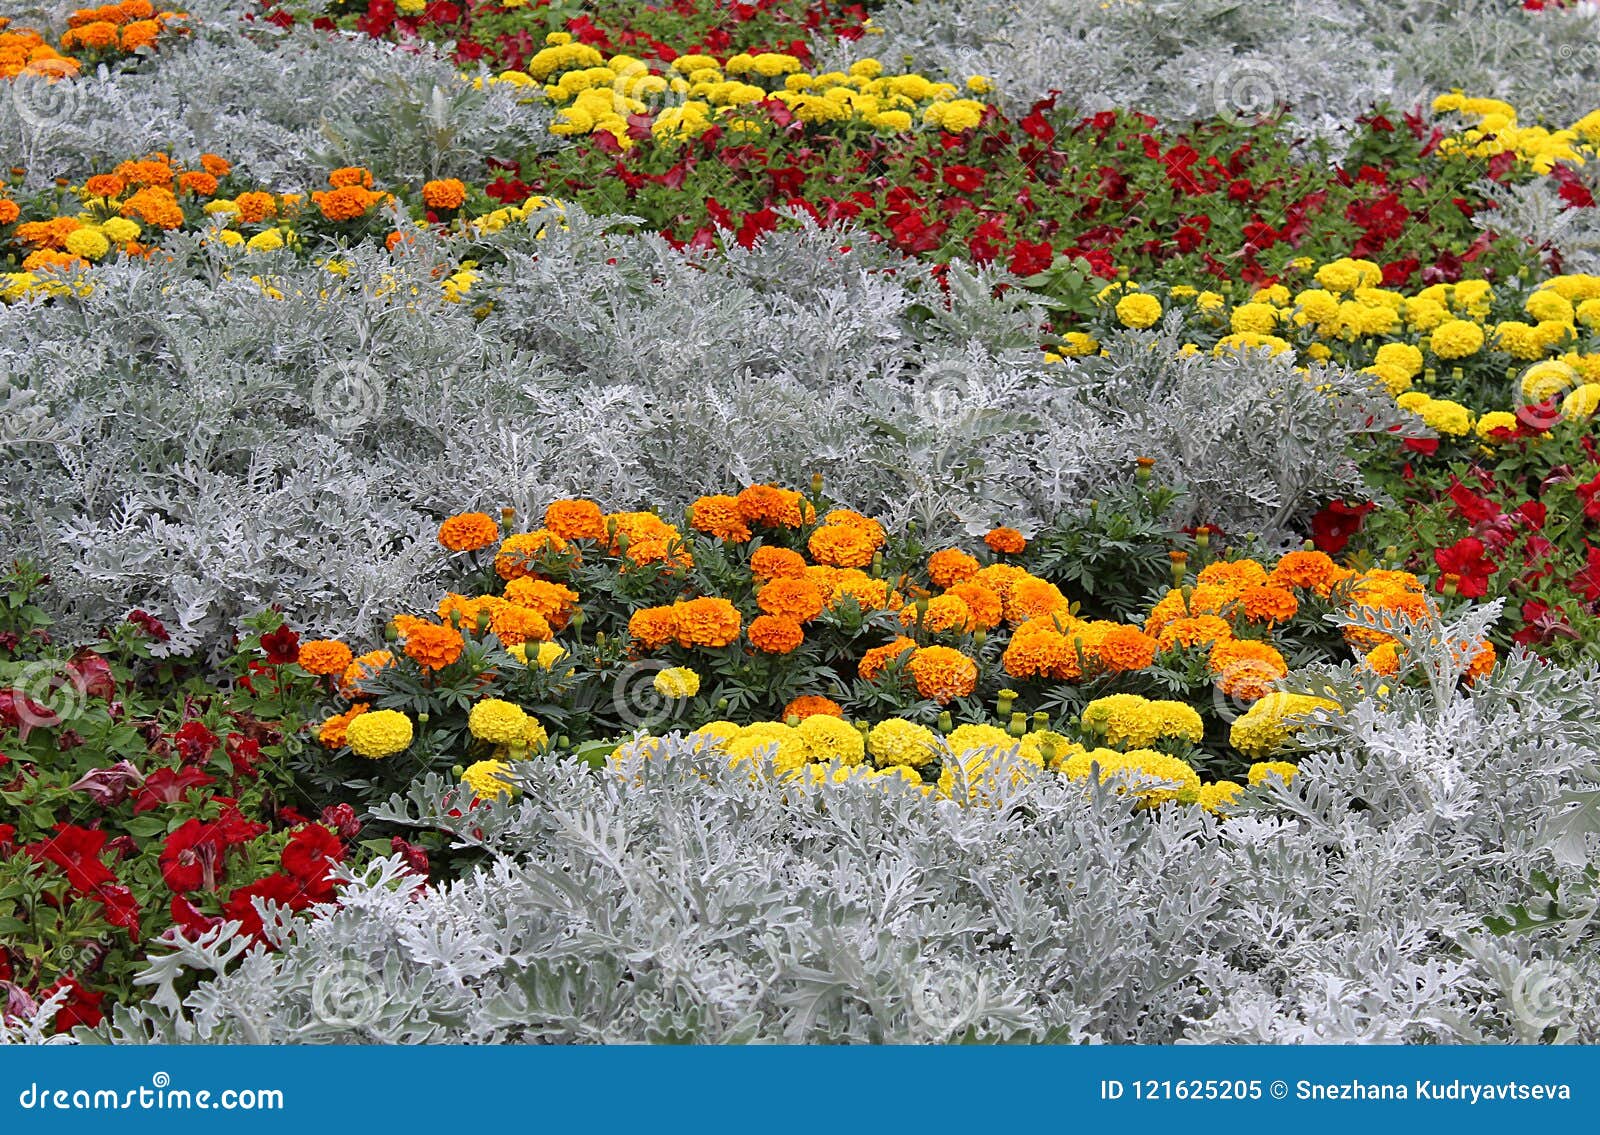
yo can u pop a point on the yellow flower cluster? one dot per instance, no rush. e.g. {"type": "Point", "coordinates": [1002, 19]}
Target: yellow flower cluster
{"type": "Point", "coordinates": [596, 93]}
{"type": "Point", "coordinates": [1131, 721]}
{"type": "Point", "coordinates": [1492, 129]}
{"type": "Point", "coordinates": [1273, 721]}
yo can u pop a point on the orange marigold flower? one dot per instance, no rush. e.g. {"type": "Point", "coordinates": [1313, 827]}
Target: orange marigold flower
{"type": "Point", "coordinates": [770, 562]}
{"type": "Point", "coordinates": [811, 705]}
{"type": "Point", "coordinates": [797, 598]}
{"type": "Point", "coordinates": [653, 627]}
{"type": "Point", "coordinates": [943, 613]}
{"type": "Point", "coordinates": [256, 207]}
{"type": "Point", "coordinates": [516, 553]}
{"type": "Point", "coordinates": [552, 600]}
{"type": "Point", "coordinates": [842, 545]}
{"type": "Point", "coordinates": [1268, 605]}
{"type": "Point", "coordinates": [870, 594]}
{"type": "Point", "coordinates": [951, 566]}
{"type": "Point", "coordinates": [155, 170]}
{"type": "Point", "coordinates": [1037, 650]}
{"type": "Point", "coordinates": [1394, 608]}
{"type": "Point", "coordinates": [459, 610]}
{"type": "Point", "coordinates": [1007, 541]}
{"type": "Point", "coordinates": [324, 656]}
{"type": "Point", "coordinates": [853, 519]}
{"type": "Point", "coordinates": [1482, 663]}
{"type": "Point", "coordinates": [874, 661]}
{"type": "Point", "coordinates": [633, 527]}
{"type": "Point", "coordinates": [1031, 597]}
{"type": "Point", "coordinates": [216, 165]}
{"type": "Point", "coordinates": [469, 531]}
{"type": "Point", "coordinates": [154, 205]}
{"type": "Point", "coordinates": [1000, 578]}
{"type": "Point", "coordinates": [1235, 575]}
{"type": "Point", "coordinates": [434, 647]}
{"type": "Point", "coordinates": [351, 176]}
{"type": "Point", "coordinates": [1200, 630]}
{"type": "Point", "coordinates": [719, 516]}
{"type": "Point", "coordinates": [514, 625]}
{"type": "Point", "coordinates": [332, 733]}
{"type": "Point", "coordinates": [942, 673]}
{"type": "Point", "coordinates": [1313, 571]}
{"type": "Point", "coordinates": [706, 622]}
{"type": "Point", "coordinates": [445, 193]}
{"type": "Point", "coordinates": [1246, 669]}
{"type": "Point", "coordinates": [1213, 599]}
{"type": "Point", "coordinates": [140, 33]}
{"type": "Point", "coordinates": [8, 211]}
{"type": "Point", "coordinates": [363, 667]}
{"type": "Point", "coordinates": [774, 507]}
{"type": "Point", "coordinates": [104, 185]}
{"type": "Point", "coordinates": [653, 551]}
{"type": "Point", "coordinates": [1168, 608]}
{"type": "Point", "coordinates": [575, 520]}
{"type": "Point", "coordinates": [346, 204]}
{"type": "Point", "coordinates": [775, 634]}
{"type": "Point", "coordinates": [983, 604]}
{"type": "Point", "coordinates": [1385, 658]}
{"type": "Point", "coordinates": [198, 182]}
{"type": "Point", "coordinates": [96, 36]}
{"type": "Point", "coordinates": [47, 261]}
{"type": "Point", "coordinates": [1124, 649]}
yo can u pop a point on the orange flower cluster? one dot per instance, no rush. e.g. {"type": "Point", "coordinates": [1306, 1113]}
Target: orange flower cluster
{"type": "Point", "coordinates": [729, 518]}
{"type": "Point", "coordinates": [690, 622]}
{"type": "Point", "coordinates": [98, 32]}
{"type": "Point", "coordinates": [351, 196]}
{"type": "Point", "coordinates": [469, 532]}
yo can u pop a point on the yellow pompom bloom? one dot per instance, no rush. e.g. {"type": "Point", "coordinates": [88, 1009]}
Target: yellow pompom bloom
{"type": "Point", "coordinates": [1447, 417]}
{"type": "Point", "coordinates": [829, 738]}
{"type": "Point", "coordinates": [785, 745]}
{"type": "Point", "coordinates": [1271, 722]}
{"type": "Point", "coordinates": [899, 742]}
{"type": "Point", "coordinates": [1260, 318]}
{"type": "Point", "coordinates": [1216, 797]}
{"type": "Point", "coordinates": [1128, 720]}
{"type": "Point", "coordinates": [969, 738]}
{"type": "Point", "coordinates": [677, 682]}
{"type": "Point", "coordinates": [713, 735]}
{"type": "Point", "coordinates": [1496, 420]}
{"type": "Point", "coordinates": [486, 779]}
{"type": "Point", "coordinates": [1138, 310]}
{"type": "Point", "coordinates": [1582, 403]}
{"type": "Point", "coordinates": [1546, 380]}
{"type": "Point", "coordinates": [1162, 777]}
{"type": "Point", "coordinates": [1263, 769]}
{"type": "Point", "coordinates": [121, 229]}
{"type": "Point", "coordinates": [498, 722]}
{"type": "Point", "coordinates": [379, 733]}
{"type": "Point", "coordinates": [1076, 343]}
{"type": "Point", "coordinates": [1456, 339]}
{"type": "Point", "coordinates": [1402, 356]}
{"type": "Point", "coordinates": [91, 244]}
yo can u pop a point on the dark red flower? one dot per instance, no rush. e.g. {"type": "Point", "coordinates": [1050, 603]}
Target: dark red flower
{"type": "Point", "coordinates": [150, 625]}
{"type": "Point", "coordinates": [1472, 507]}
{"type": "Point", "coordinates": [192, 857]}
{"type": "Point", "coordinates": [191, 920]}
{"type": "Point", "coordinates": [1465, 559]}
{"type": "Point", "coordinates": [967, 179]}
{"type": "Point", "coordinates": [282, 646]}
{"type": "Point", "coordinates": [109, 786]}
{"type": "Point", "coordinates": [343, 819]}
{"type": "Point", "coordinates": [77, 852]}
{"type": "Point", "coordinates": [121, 909]}
{"type": "Point", "coordinates": [415, 857]}
{"type": "Point", "coordinates": [80, 1008]}
{"type": "Point", "coordinates": [1589, 494]}
{"type": "Point", "coordinates": [1028, 258]}
{"type": "Point", "coordinates": [1332, 527]}
{"type": "Point", "coordinates": [285, 890]}
{"type": "Point", "coordinates": [310, 854]}
{"type": "Point", "coordinates": [169, 786]}
{"type": "Point", "coordinates": [195, 743]}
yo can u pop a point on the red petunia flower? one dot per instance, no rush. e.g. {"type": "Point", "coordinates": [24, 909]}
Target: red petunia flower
{"type": "Point", "coordinates": [77, 852]}
{"type": "Point", "coordinates": [1465, 559]}
{"type": "Point", "coordinates": [282, 646]}
{"type": "Point", "coordinates": [1332, 527]}
{"type": "Point", "coordinates": [310, 855]}
{"type": "Point", "coordinates": [192, 857]}
{"type": "Point", "coordinates": [169, 786]}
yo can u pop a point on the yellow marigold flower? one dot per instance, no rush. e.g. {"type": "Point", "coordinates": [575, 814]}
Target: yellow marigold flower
{"type": "Point", "coordinates": [785, 745]}
{"type": "Point", "coordinates": [324, 656]}
{"type": "Point", "coordinates": [1447, 417]}
{"type": "Point", "coordinates": [379, 733]}
{"type": "Point", "coordinates": [487, 779]}
{"type": "Point", "coordinates": [1273, 720]}
{"type": "Point", "coordinates": [1260, 318]}
{"type": "Point", "coordinates": [896, 741]}
{"type": "Point", "coordinates": [1138, 310]}
{"type": "Point", "coordinates": [1216, 797]}
{"type": "Point", "coordinates": [829, 738]}
{"type": "Point", "coordinates": [497, 721]}
{"type": "Point", "coordinates": [1495, 421]}
{"type": "Point", "coordinates": [1129, 720]}
{"type": "Point", "coordinates": [1160, 778]}
{"type": "Point", "coordinates": [1077, 343]}
{"type": "Point", "coordinates": [677, 682]}
{"type": "Point", "coordinates": [1261, 770]}
{"type": "Point", "coordinates": [1456, 339]}
{"type": "Point", "coordinates": [468, 532]}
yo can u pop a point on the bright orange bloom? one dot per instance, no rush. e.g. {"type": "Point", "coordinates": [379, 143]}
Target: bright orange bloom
{"type": "Point", "coordinates": [951, 566]}
{"type": "Point", "coordinates": [575, 520]}
{"type": "Point", "coordinates": [653, 627]}
{"type": "Point", "coordinates": [1233, 574]}
{"type": "Point", "coordinates": [874, 661]}
{"type": "Point", "coordinates": [332, 733]}
{"type": "Point", "coordinates": [775, 634]}
{"type": "Point", "coordinates": [1313, 571]}
{"type": "Point", "coordinates": [1200, 630]}
{"type": "Point", "coordinates": [517, 553]}
{"type": "Point", "coordinates": [346, 204]}
{"type": "Point", "coordinates": [8, 211]}
{"type": "Point", "coordinates": [255, 207]}
{"type": "Point", "coordinates": [943, 673]}
{"type": "Point", "coordinates": [943, 613]}
{"type": "Point", "coordinates": [217, 166]}
{"type": "Point", "coordinates": [1007, 541]}
{"type": "Point", "coordinates": [198, 182]}
{"type": "Point", "coordinates": [1246, 669]}
{"type": "Point", "coordinates": [1038, 650]}
{"type": "Point", "coordinates": [719, 516]}
{"type": "Point", "coordinates": [1268, 605]}
{"type": "Point", "coordinates": [1124, 649]}
{"type": "Point", "coordinates": [469, 531]}
{"type": "Point", "coordinates": [774, 507]}
{"type": "Point", "coordinates": [1032, 597]}
{"type": "Point", "coordinates": [325, 656]}
{"type": "Point", "coordinates": [154, 205]}
{"type": "Point", "coordinates": [983, 604]}
{"type": "Point", "coordinates": [797, 598]}
{"type": "Point", "coordinates": [842, 545]}
{"type": "Point", "coordinates": [514, 625]}
{"type": "Point", "coordinates": [364, 667]}
{"type": "Point", "coordinates": [811, 705]}
{"type": "Point", "coordinates": [351, 177]}
{"type": "Point", "coordinates": [770, 562]}
{"type": "Point", "coordinates": [446, 193]}
{"type": "Point", "coordinates": [104, 185]}
{"type": "Point", "coordinates": [706, 622]}
{"type": "Point", "coordinates": [554, 601]}
{"type": "Point", "coordinates": [434, 647]}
